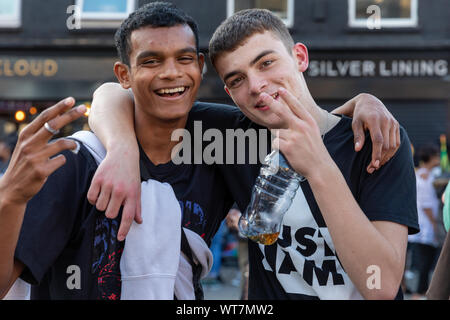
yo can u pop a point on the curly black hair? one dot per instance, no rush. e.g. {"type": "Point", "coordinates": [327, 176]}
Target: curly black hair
{"type": "Point", "coordinates": [155, 14]}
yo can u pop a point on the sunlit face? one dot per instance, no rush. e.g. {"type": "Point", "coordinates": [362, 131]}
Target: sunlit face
{"type": "Point", "coordinates": [262, 64]}
{"type": "Point", "coordinates": [165, 71]}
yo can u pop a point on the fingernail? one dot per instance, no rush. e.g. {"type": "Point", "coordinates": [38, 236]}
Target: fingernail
{"type": "Point", "coordinates": [357, 145]}
{"type": "Point", "coordinates": [377, 164]}
{"type": "Point", "coordinates": [69, 101]}
{"type": "Point", "coordinates": [77, 148]}
{"type": "Point", "coordinates": [81, 108]}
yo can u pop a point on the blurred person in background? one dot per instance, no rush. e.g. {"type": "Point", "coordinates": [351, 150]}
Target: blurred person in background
{"type": "Point", "coordinates": [425, 244]}
{"type": "Point", "coordinates": [440, 283]}
{"type": "Point", "coordinates": [214, 279]}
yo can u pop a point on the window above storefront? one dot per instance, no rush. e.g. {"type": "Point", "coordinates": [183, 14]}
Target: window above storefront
{"type": "Point", "coordinates": [282, 8]}
{"type": "Point", "coordinates": [10, 13]}
{"type": "Point", "coordinates": [389, 13]}
{"type": "Point", "coordinates": [104, 13]}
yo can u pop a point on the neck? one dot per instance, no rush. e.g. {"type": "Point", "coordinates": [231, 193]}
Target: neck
{"type": "Point", "coordinates": [155, 134]}
{"type": "Point", "coordinates": [325, 120]}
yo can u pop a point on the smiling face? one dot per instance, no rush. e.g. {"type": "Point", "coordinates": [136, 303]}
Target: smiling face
{"type": "Point", "coordinates": [262, 64]}
{"type": "Point", "coordinates": [164, 73]}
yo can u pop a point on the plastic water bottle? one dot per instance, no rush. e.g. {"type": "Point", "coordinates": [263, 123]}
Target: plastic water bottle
{"type": "Point", "coordinates": [272, 195]}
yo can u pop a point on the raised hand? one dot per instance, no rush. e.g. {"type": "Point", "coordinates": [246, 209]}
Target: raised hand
{"type": "Point", "coordinates": [300, 141]}
{"type": "Point", "coordinates": [31, 162]}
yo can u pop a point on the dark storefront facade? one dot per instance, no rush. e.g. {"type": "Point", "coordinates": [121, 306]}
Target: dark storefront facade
{"type": "Point", "coordinates": [404, 60]}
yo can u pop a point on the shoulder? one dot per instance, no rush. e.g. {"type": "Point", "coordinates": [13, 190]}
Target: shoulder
{"type": "Point", "coordinates": [404, 153]}
{"type": "Point", "coordinates": [200, 106]}
{"type": "Point", "coordinates": [220, 116]}
{"type": "Point", "coordinates": [78, 169]}
{"type": "Point", "coordinates": [390, 193]}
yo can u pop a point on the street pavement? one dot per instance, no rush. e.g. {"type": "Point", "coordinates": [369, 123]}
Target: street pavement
{"type": "Point", "coordinates": [228, 289]}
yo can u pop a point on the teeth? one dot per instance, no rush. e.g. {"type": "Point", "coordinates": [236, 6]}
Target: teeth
{"type": "Point", "coordinates": [275, 95]}
{"type": "Point", "coordinates": [174, 90]}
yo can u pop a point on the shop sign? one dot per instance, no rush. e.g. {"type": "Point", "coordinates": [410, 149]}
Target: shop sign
{"type": "Point", "coordinates": [378, 68]}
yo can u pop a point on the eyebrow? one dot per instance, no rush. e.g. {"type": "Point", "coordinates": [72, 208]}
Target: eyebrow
{"type": "Point", "coordinates": [252, 63]}
{"type": "Point", "coordinates": [149, 53]}
{"type": "Point", "coordinates": [260, 56]}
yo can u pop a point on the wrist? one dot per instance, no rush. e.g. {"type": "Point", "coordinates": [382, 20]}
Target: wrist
{"type": "Point", "coordinates": [8, 202]}
{"type": "Point", "coordinates": [322, 173]}
{"type": "Point", "coordinates": [125, 149]}
{"type": "Point", "coordinates": [10, 195]}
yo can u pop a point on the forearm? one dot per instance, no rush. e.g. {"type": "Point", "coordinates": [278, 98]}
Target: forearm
{"type": "Point", "coordinates": [112, 117]}
{"type": "Point", "coordinates": [362, 99]}
{"type": "Point", "coordinates": [348, 107]}
{"type": "Point", "coordinates": [357, 241]}
{"type": "Point", "coordinates": [11, 218]}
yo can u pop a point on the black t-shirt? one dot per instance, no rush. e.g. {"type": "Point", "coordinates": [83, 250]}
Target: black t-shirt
{"type": "Point", "coordinates": [202, 190]}
{"type": "Point", "coordinates": [303, 264]}
{"type": "Point", "coordinates": [61, 236]}
{"type": "Point", "coordinates": [70, 249]}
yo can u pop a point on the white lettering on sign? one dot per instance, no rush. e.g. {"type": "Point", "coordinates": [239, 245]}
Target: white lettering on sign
{"type": "Point", "coordinates": [382, 68]}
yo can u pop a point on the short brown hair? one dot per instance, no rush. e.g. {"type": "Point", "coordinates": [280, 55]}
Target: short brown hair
{"type": "Point", "coordinates": [243, 24]}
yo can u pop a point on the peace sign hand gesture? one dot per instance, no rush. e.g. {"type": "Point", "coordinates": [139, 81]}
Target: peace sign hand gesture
{"type": "Point", "coordinates": [300, 140]}
{"type": "Point", "coordinates": [31, 162]}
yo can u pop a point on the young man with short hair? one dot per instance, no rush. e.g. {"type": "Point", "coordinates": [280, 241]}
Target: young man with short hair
{"type": "Point", "coordinates": [344, 224]}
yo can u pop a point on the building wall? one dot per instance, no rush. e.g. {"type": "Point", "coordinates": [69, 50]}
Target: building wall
{"type": "Point", "coordinates": [85, 57]}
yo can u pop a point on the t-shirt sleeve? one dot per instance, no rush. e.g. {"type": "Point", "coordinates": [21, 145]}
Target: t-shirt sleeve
{"type": "Point", "coordinates": [51, 216]}
{"type": "Point", "coordinates": [389, 194]}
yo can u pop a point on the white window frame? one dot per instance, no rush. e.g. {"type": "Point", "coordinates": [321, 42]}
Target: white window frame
{"type": "Point", "coordinates": [385, 22]}
{"type": "Point", "coordinates": [102, 19]}
{"type": "Point", "coordinates": [12, 20]}
{"type": "Point", "coordinates": [289, 22]}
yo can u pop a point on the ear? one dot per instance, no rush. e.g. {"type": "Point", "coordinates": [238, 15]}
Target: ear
{"type": "Point", "coordinates": [201, 63]}
{"type": "Point", "coordinates": [201, 60]}
{"type": "Point", "coordinates": [300, 53]}
{"type": "Point", "coordinates": [122, 73]}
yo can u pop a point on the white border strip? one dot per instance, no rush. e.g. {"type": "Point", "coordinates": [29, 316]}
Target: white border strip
{"type": "Point", "coordinates": [289, 22]}
{"type": "Point", "coordinates": [386, 22]}
{"type": "Point", "coordinates": [12, 20]}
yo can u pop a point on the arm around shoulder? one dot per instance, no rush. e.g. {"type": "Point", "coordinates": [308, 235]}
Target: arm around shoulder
{"type": "Point", "coordinates": [112, 115]}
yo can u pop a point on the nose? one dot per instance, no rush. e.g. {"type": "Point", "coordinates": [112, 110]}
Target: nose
{"type": "Point", "coordinates": [257, 83]}
{"type": "Point", "coordinates": [170, 71]}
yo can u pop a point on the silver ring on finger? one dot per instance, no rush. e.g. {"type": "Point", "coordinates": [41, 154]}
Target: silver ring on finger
{"type": "Point", "coordinates": [50, 129]}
